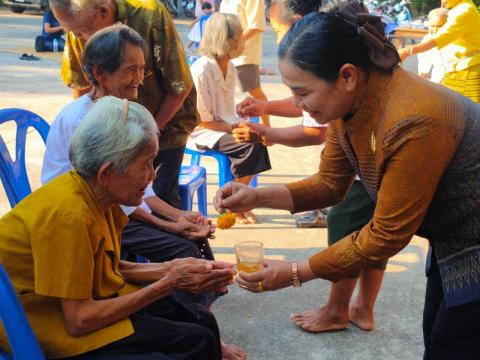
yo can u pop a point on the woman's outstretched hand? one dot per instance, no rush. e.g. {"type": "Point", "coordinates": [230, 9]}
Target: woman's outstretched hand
{"type": "Point", "coordinates": [237, 198]}
{"type": "Point", "coordinates": [276, 274]}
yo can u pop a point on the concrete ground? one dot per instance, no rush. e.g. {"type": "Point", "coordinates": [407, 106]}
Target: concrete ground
{"type": "Point", "coordinates": [258, 322]}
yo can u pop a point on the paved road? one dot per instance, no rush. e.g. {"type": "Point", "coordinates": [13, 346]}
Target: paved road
{"type": "Point", "coordinates": [257, 322]}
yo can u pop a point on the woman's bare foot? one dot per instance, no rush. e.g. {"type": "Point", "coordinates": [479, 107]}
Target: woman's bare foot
{"type": "Point", "coordinates": [247, 217]}
{"type": "Point", "coordinates": [362, 317]}
{"type": "Point", "coordinates": [232, 352]}
{"type": "Point", "coordinates": [321, 319]}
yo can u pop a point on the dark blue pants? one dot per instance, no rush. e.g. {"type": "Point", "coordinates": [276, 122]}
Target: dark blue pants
{"type": "Point", "coordinates": [140, 238]}
{"type": "Point", "coordinates": [165, 330]}
{"type": "Point", "coordinates": [449, 333]}
{"type": "Point", "coordinates": [168, 164]}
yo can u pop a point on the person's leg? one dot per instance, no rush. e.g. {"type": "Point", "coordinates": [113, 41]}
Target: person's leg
{"type": "Point", "coordinates": [362, 310]}
{"type": "Point", "coordinates": [333, 316]}
{"type": "Point", "coordinates": [165, 330]}
{"type": "Point", "coordinates": [247, 159]}
{"type": "Point", "coordinates": [248, 217]}
{"type": "Point", "coordinates": [140, 238]}
{"type": "Point", "coordinates": [348, 216]}
{"type": "Point", "coordinates": [167, 164]}
{"type": "Point", "coordinates": [248, 77]}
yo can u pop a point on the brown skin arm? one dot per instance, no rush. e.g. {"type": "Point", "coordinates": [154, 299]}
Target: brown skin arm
{"type": "Point", "coordinates": [169, 107]}
{"type": "Point", "coordinates": [83, 316]}
{"type": "Point", "coordinates": [415, 49]}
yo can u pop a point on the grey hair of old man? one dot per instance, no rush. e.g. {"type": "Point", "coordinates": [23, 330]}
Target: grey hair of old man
{"type": "Point", "coordinates": [73, 7]}
{"type": "Point", "coordinates": [106, 134]}
{"type": "Point", "coordinates": [105, 49]}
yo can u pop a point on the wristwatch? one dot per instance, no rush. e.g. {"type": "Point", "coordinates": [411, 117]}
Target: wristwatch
{"type": "Point", "coordinates": [296, 281]}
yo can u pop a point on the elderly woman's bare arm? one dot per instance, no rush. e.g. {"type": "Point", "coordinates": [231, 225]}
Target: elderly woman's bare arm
{"type": "Point", "coordinates": [194, 275]}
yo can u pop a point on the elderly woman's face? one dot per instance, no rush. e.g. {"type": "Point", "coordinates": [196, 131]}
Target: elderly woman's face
{"type": "Point", "coordinates": [124, 82]}
{"type": "Point", "coordinates": [322, 100]}
{"type": "Point", "coordinates": [129, 188]}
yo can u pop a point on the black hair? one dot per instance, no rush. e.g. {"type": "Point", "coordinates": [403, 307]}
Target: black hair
{"type": "Point", "coordinates": [290, 8]}
{"type": "Point", "coordinates": [321, 43]}
{"type": "Point", "coordinates": [106, 48]}
{"type": "Point", "coordinates": [206, 6]}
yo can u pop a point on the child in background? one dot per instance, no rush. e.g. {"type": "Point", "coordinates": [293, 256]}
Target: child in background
{"type": "Point", "coordinates": [197, 26]}
{"type": "Point", "coordinates": [199, 10]}
{"type": "Point", "coordinates": [431, 60]}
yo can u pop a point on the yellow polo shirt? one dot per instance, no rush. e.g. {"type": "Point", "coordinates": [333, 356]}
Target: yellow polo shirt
{"type": "Point", "coordinates": [58, 244]}
{"type": "Point", "coordinates": [252, 16]}
{"type": "Point", "coordinates": [459, 38]}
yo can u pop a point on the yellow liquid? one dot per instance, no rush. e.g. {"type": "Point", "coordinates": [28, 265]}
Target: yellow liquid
{"type": "Point", "coordinates": [249, 267]}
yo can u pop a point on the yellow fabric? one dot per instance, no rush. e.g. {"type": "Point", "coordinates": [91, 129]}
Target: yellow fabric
{"type": "Point", "coordinates": [402, 146]}
{"type": "Point", "coordinates": [252, 16]}
{"type": "Point", "coordinates": [459, 38]}
{"type": "Point", "coordinates": [465, 82]}
{"type": "Point", "coordinates": [58, 244]}
{"type": "Point", "coordinates": [166, 68]}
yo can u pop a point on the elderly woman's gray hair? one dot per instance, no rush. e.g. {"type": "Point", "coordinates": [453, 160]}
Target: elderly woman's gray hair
{"type": "Point", "coordinates": [115, 131]}
{"type": "Point", "coordinates": [219, 28]}
{"type": "Point", "coordinates": [106, 48]}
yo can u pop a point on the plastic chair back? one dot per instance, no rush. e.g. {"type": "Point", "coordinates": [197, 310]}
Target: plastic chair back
{"type": "Point", "coordinates": [23, 343]}
{"type": "Point", "coordinates": [14, 173]}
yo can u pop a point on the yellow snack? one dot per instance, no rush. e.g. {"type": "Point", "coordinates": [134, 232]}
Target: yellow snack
{"type": "Point", "coordinates": [226, 220]}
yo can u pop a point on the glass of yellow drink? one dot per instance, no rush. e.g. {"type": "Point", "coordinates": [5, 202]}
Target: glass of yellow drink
{"type": "Point", "coordinates": [249, 256]}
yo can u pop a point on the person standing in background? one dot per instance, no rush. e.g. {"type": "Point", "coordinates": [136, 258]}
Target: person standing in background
{"type": "Point", "coordinates": [252, 18]}
{"type": "Point", "coordinates": [167, 90]}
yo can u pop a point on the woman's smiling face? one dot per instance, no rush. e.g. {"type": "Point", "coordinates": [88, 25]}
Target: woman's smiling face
{"type": "Point", "coordinates": [324, 101]}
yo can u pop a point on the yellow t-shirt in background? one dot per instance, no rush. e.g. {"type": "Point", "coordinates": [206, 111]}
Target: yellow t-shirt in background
{"type": "Point", "coordinates": [459, 38]}
{"type": "Point", "coordinates": [58, 244]}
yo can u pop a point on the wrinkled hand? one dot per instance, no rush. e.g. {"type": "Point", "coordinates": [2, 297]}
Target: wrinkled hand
{"type": "Point", "coordinates": [204, 225]}
{"type": "Point", "coordinates": [277, 274]}
{"type": "Point", "coordinates": [248, 132]}
{"type": "Point", "coordinates": [197, 275]}
{"type": "Point", "coordinates": [191, 230]}
{"type": "Point", "coordinates": [251, 107]}
{"type": "Point", "coordinates": [236, 197]}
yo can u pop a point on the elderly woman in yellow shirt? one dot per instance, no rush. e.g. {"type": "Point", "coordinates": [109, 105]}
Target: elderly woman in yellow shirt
{"type": "Point", "coordinates": [61, 248]}
{"type": "Point", "coordinates": [459, 40]}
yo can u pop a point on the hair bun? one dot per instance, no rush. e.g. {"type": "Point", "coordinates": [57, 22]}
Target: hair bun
{"type": "Point", "coordinates": [371, 28]}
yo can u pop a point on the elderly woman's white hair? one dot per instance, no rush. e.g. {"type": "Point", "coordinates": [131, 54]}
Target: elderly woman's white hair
{"type": "Point", "coordinates": [219, 28]}
{"type": "Point", "coordinates": [114, 130]}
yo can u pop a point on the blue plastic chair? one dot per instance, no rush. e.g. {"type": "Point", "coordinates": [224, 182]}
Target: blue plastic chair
{"type": "Point", "coordinates": [23, 344]}
{"type": "Point", "coordinates": [14, 173]}
{"type": "Point", "coordinates": [224, 163]}
{"type": "Point", "coordinates": [193, 179]}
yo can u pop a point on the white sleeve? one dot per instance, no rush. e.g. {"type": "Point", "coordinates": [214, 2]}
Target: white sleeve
{"type": "Point", "coordinates": [205, 98]}
{"type": "Point", "coordinates": [56, 161]}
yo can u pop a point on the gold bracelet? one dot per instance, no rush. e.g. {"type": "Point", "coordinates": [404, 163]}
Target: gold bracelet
{"type": "Point", "coordinates": [411, 51]}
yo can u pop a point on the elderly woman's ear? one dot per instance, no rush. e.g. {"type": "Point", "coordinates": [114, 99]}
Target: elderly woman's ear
{"type": "Point", "coordinates": [103, 175]}
{"type": "Point", "coordinates": [98, 73]}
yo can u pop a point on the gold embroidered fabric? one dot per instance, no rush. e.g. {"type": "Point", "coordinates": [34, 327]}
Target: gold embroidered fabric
{"type": "Point", "coordinates": [400, 141]}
